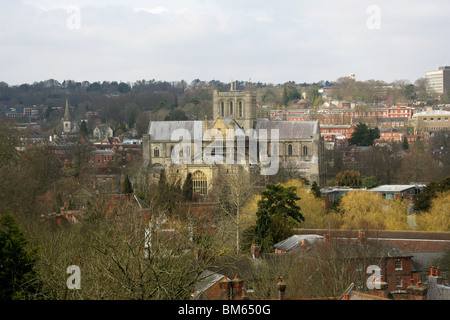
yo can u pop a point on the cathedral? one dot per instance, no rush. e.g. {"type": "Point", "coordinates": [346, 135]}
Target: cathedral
{"type": "Point", "coordinates": [235, 141]}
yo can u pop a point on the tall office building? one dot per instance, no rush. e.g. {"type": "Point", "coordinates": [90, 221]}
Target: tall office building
{"type": "Point", "coordinates": [439, 80]}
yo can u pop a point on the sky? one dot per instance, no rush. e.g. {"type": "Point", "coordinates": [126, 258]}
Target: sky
{"type": "Point", "coordinates": [264, 41]}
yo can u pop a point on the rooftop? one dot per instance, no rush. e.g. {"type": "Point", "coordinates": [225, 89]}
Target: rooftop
{"type": "Point", "coordinates": [394, 188]}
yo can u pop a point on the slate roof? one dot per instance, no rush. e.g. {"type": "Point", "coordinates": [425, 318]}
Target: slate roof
{"type": "Point", "coordinates": [103, 152]}
{"type": "Point", "coordinates": [206, 280]}
{"type": "Point", "coordinates": [163, 130]}
{"type": "Point", "coordinates": [392, 188]}
{"type": "Point", "coordinates": [290, 129]}
{"type": "Point", "coordinates": [296, 240]}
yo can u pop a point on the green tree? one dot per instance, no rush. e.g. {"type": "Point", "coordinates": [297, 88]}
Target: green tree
{"type": "Point", "coordinates": [315, 189]}
{"type": "Point", "coordinates": [84, 131]}
{"type": "Point", "coordinates": [423, 200]}
{"type": "Point", "coordinates": [370, 182]}
{"type": "Point", "coordinates": [405, 143]}
{"type": "Point", "coordinates": [17, 275]}
{"type": "Point", "coordinates": [363, 135]}
{"type": "Point", "coordinates": [188, 188]}
{"type": "Point", "coordinates": [277, 210]}
{"type": "Point", "coordinates": [127, 186]}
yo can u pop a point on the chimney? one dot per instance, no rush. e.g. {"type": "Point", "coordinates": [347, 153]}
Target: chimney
{"type": "Point", "coordinates": [236, 285]}
{"type": "Point", "coordinates": [255, 251]}
{"type": "Point", "coordinates": [362, 236]}
{"type": "Point", "coordinates": [434, 272]}
{"type": "Point", "coordinates": [281, 287]}
{"type": "Point", "coordinates": [381, 288]}
{"type": "Point", "coordinates": [225, 288]}
{"type": "Point", "coordinates": [417, 292]}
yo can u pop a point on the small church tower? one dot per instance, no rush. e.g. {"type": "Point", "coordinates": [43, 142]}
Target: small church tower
{"type": "Point", "coordinates": [67, 123]}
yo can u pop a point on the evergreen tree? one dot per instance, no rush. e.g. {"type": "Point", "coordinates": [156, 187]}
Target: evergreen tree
{"type": "Point", "coordinates": [188, 188]}
{"type": "Point", "coordinates": [423, 200]}
{"type": "Point", "coordinates": [363, 135]}
{"type": "Point", "coordinates": [315, 189]}
{"type": "Point", "coordinates": [127, 186]}
{"type": "Point", "coordinates": [277, 210]}
{"type": "Point", "coordinates": [84, 131]}
{"type": "Point", "coordinates": [17, 275]}
{"type": "Point", "coordinates": [405, 143]}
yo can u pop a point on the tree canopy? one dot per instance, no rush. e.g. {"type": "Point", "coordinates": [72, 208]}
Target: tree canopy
{"type": "Point", "coordinates": [17, 274]}
{"type": "Point", "coordinates": [363, 135]}
{"type": "Point", "coordinates": [277, 210]}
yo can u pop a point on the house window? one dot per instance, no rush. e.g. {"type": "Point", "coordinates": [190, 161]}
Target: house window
{"type": "Point", "coordinates": [156, 153]}
{"type": "Point", "coordinates": [289, 149]}
{"type": "Point", "coordinates": [399, 283]}
{"type": "Point", "coordinates": [398, 265]}
{"type": "Point", "coordinates": [200, 182]}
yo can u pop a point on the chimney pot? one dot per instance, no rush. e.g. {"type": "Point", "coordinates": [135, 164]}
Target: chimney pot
{"type": "Point", "coordinates": [281, 287]}
{"type": "Point", "coordinates": [225, 288]}
{"type": "Point", "coordinates": [237, 285]}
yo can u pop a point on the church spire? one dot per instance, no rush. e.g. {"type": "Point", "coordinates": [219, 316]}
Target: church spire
{"type": "Point", "coordinates": [67, 111]}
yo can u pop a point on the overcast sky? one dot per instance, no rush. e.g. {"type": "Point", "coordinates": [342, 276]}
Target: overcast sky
{"type": "Point", "coordinates": [259, 40]}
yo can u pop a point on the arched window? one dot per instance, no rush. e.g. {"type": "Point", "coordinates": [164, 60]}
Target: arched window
{"type": "Point", "coordinates": [305, 150]}
{"type": "Point", "coordinates": [200, 182]}
{"type": "Point", "coordinates": [156, 152]}
{"type": "Point", "coordinates": [289, 149]}
{"type": "Point", "coordinates": [231, 108]}
{"type": "Point", "coordinates": [240, 109]}
{"type": "Point", "coordinates": [222, 109]}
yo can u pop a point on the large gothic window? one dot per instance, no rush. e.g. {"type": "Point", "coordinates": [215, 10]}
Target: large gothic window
{"type": "Point", "coordinates": [305, 150]}
{"type": "Point", "coordinates": [289, 149]}
{"type": "Point", "coordinates": [156, 153]}
{"type": "Point", "coordinates": [222, 109]}
{"type": "Point", "coordinates": [231, 108]}
{"type": "Point", "coordinates": [200, 182]}
{"type": "Point", "coordinates": [240, 109]}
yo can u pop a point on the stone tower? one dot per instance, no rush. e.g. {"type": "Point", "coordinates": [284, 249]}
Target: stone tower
{"type": "Point", "coordinates": [237, 105]}
{"type": "Point", "coordinates": [67, 123]}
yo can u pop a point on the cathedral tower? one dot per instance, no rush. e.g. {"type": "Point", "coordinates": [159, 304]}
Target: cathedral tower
{"type": "Point", "coordinates": [237, 105]}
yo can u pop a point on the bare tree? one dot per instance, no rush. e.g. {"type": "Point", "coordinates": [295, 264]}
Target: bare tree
{"type": "Point", "coordinates": [232, 192]}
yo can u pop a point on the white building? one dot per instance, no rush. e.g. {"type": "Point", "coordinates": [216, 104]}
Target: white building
{"type": "Point", "coordinates": [439, 80]}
